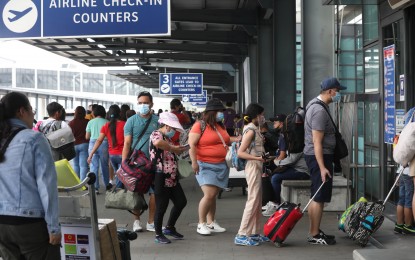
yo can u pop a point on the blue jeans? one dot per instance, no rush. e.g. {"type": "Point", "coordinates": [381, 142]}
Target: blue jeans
{"type": "Point", "coordinates": [116, 164]}
{"type": "Point", "coordinates": [289, 174]}
{"type": "Point", "coordinates": [406, 191]}
{"type": "Point", "coordinates": [100, 158]}
{"type": "Point", "coordinates": [80, 163]}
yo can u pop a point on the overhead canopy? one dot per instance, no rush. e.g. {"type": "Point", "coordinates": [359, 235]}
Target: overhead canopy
{"type": "Point", "coordinates": [207, 36]}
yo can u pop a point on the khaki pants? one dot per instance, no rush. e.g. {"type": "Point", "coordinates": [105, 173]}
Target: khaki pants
{"type": "Point", "coordinates": [251, 218]}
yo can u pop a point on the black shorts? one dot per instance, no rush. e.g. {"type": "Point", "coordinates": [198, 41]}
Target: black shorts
{"type": "Point", "coordinates": [325, 193]}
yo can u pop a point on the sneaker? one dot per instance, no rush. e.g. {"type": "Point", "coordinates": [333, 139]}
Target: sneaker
{"type": "Point", "coordinates": [171, 231]}
{"type": "Point", "coordinates": [408, 230]}
{"type": "Point", "coordinates": [137, 226]}
{"type": "Point", "coordinates": [150, 227]}
{"type": "Point", "coordinates": [259, 238]}
{"type": "Point", "coordinates": [214, 227]}
{"type": "Point", "coordinates": [326, 236]}
{"type": "Point", "coordinates": [203, 229]}
{"type": "Point", "coordinates": [269, 204]}
{"type": "Point", "coordinates": [161, 239]}
{"type": "Point", "coordinates": [398, 228]}
{"type": "Point", "coordinates": [320, 240]}
{"type": "Point", "coordinates": [245, 241]}
{"type": "Point", "coordinates": [271, 208]}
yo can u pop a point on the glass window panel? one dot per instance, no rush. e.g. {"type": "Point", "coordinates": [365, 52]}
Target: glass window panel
{"type": "Point", "coordinates": [93, 82]}
{"type": "Point", "coordinates": [347, 44]}
{"type": "Point", "coordinates": [347, 72]}
{"type": "Point", "coordinates": [70, 81]}
{"type": "Point", "coordinates": [372, 69]}
{"type": "Point", "coordinates": [25, 78]}
{"type": "Point", "coordinates": [299, 56]}
{"type": "Point", "coordinates": [5, 77]}
{"type": "Point", "coordinates": [370, 23]}
{"type": "Point", "coordinates": [47, 79]}
{"type": "Point", "coordinates": [350, 84]}
{"type": "Point", "coordinates": [347, 58]}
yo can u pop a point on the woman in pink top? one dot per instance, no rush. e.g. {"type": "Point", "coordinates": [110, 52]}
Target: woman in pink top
{"type": "Point", "coordinates": [114, 131]}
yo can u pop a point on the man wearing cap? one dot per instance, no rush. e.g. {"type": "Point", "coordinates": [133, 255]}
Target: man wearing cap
{"type": "Point", "coordinates": [177, 108]}
{"type": "Point", "coordinates": [278, 121]}
{"type": "Point", "coordinates": [319, 138]}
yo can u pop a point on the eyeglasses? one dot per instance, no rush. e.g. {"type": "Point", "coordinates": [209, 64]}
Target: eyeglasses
{"type": "Point", "coordinates": [34, 111]}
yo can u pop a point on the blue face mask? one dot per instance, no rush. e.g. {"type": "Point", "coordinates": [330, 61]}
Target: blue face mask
{"type": "Point", "coordinates": [143, 109]}
{"type": "Point", "coordinates": [336, 98]}
{"type": "Point", "coordinates": [170, 134]}
{"type": "Point", "coordinates": [219, 117]}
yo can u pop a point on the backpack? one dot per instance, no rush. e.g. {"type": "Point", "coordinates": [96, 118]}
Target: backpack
{"type": "Point", "coordinates": [293, 130]}
{"type": "Point", "coordinates": [232, 157]}
{"type": "Point", "coordinates": [184, 137]}
{"type": "Point", "coordinates": [61, 140]}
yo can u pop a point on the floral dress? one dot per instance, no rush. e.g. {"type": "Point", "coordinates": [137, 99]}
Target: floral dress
{"type": "Point", "coordinates": [165, 161]}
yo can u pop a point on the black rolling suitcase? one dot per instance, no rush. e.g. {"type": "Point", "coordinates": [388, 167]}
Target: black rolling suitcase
{"type": "Point", "coordinates": [124, 238]}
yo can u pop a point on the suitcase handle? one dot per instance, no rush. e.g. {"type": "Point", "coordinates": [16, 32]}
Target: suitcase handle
{"type": "Point", "coordinates": [393, 186]}
{"type": "Point", "coordinates": [306, 206]}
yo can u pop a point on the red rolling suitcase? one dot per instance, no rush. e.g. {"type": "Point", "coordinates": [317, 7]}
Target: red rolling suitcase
{"type": "Point", "coordinates": [279, 225]}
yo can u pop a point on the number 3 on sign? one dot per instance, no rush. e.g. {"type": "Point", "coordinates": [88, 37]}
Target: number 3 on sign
{"type": "Point", "coordinates": [166, 79]}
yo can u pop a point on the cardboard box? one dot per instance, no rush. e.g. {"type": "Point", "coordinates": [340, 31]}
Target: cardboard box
{"type": "Point", "coordinates": [78, 241]}
{"type": "Point", "coordinates": [110, 247]}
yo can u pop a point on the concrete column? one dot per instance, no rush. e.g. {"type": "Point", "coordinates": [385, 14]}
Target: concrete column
{"type": "Point", "coordinates": [265, 93]}
{"type": "Point", "coordinates": [284, 33]}
{"type": "Point", "coordinates": [318, 46]}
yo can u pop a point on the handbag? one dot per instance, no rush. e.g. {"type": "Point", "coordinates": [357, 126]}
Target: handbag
{"type": "Point", "coordinates": [228, 157]}
{"type": "Point", "coordinates": [61, 140]}
{"type": "Point", "coordinates": [185, 168]}
{"type": "Point", "coordinates": [137, 171]}
{"type": "Point", "coordinates": [124, 199]}
{"type": "Point", "coordinates": [340, 150]}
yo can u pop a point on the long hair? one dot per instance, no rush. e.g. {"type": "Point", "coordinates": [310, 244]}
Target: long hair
{"type": "Point", "coordinates": [80, 112]}
{"type": "Point", "coordinates": [10, 104]}
{"type": "Point", "coordinates": [210, 118]}
{"type": "Point", "coordinates": [252, 111]}
{"type": "Point", "coordinates": [114, 115]}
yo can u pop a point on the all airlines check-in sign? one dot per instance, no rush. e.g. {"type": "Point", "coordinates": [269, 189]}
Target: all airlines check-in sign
{"type": "Point", "coordinates": [33, 19]}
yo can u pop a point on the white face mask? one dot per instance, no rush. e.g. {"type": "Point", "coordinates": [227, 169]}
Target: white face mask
{"type": "Point", "coordinates": [143, 109]}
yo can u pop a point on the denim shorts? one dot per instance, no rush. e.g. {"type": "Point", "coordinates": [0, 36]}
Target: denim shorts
{"type": "Point", "coordinates": [324, 194]}
{"type": "Point", "coordinates": [406, 191]}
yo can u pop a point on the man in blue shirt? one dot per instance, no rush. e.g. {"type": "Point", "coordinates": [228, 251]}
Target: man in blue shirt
{"type": "Point", "coordinates": [132, 129]}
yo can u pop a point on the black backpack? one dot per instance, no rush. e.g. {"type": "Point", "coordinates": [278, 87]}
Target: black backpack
{"type": "Point", "coordinates": [293, 131]}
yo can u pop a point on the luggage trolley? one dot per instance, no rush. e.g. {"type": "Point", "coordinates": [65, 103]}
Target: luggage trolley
{"type": "Point", "coordinates": [79, 220]}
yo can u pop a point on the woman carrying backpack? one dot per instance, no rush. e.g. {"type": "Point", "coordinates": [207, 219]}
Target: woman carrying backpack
{"type": "Point", "coordinates": [252, 150]}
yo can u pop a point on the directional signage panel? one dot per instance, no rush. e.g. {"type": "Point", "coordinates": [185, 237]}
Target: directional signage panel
{"type": "Point", "coordinates": [195, 98]}
{"type": "Point", "coordinates": [181, 83]}
{"type": "Point", "coordinates": [86, 18]}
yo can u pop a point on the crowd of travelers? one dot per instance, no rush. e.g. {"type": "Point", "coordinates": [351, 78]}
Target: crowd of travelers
{"type": "Point", "coordinates": [103, 139]}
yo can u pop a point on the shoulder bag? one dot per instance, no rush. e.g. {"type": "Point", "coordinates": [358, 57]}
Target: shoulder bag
{"type": "Point", "coordinates": [125, 200]}
{"type": "Point", "coordinates": [340, 150]}
{"type": "Point", "coordinates": [137, 171]}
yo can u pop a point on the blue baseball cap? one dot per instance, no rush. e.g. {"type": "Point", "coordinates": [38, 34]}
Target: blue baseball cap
{"type": "Point", "coordinates": [330, 83]}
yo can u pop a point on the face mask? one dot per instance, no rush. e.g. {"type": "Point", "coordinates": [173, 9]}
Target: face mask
{"type": "Point", "coordinates": [170, 134]}
{"type": "Point", "coordinates": [143, 109]}
{"type": "Point", "coordinates": [336, 98]}
{"type": "Point", "coordinates": [219, 117]}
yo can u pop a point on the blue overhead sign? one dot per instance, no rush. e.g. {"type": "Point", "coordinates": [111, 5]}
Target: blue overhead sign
{"type": "Point", "coordinates": [83, 18]}
{"type": "Point", "coordinates": [181, 83]}
{"type": "Point", "coordinates": [196, 98]}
